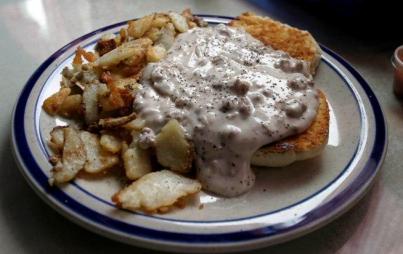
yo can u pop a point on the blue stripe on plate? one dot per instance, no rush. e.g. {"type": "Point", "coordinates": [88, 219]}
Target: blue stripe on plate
{"type": "Point", "coordinates": [31, 167]}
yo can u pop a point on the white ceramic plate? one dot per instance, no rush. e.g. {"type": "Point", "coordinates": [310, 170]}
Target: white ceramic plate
{"type": "Point", "coordinates": [284, 204]}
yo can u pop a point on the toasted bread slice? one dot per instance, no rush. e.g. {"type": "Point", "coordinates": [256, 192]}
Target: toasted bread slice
{"type": "Point", "coordinates": [299, 147]}
{"type": "Point", "coordinates": [298, 43]}
{"type": "Point", "coordinates": [301, 45]}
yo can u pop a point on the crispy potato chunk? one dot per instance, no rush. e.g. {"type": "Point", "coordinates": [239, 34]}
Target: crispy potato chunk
{"type": "Point", "coordinates": [80, 53]}
{"type": "Point", "coordinates": [136, 162]}
{"type": "Point", "coordinates": [71, 106]}
{"type": "Point", "coordinates": [126, 83]}
{"type": "Point", "coordinates": [73, 157]}
{"type": "Point", "coordinates": [153, 34]}
{"type": "Point", "coordinates": [90, 100]}
{"type": "Point", "coordinates": [56, 141]}
{"type": "Point", "coordinates": [135, 125]}
{"type": "Point", "coordinates": [105, 46]}
{"type": "Point", "coordinates": [172, 149]}
{"type": "Point", "coordinates": [187, 13]}
{"type": "Point", "coordinates": [110, 143]}
{"type": "Point", "coordinates": [123, 36]}
{"type": "Point", "coordinates": [118, 97]}
{"type": "Point", "coordinates": [167, 37]}
{"type": "Point", "coordinates": [125, 146]}
{"type": "Point", "coordinates": [137, 28]}
{"type": "Point", "coordinates": [160, 20]}
{"type": "Point", "coordinates": [110, 123]}
{"type": "Point", "coordinates": [156, 190]}
{"type": "Point", "coordinates": [97, 159]}
{"type": "Point", "coordinates": [179, 22]}
{"type": "Point", "coordinates": [155, 53]}
{"type": "Point", "coordinates": [192, 20]}
{"type": "Point", "coordinates": [52, 104]}
{"type": "Point", "coordinates": [136, 61]}
{"type": "Point", "coordinates": [136, 48]}
{"type": "Point", "coordinates": [112, 101]}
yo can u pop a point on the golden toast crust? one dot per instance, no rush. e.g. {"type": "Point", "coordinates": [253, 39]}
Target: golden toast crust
{"type": "Point", "coordinates": [301, 45]}
{"type": "Point", "coordinates": [298, 43]}
{"type": "Point", "coordinates": [314, 137]}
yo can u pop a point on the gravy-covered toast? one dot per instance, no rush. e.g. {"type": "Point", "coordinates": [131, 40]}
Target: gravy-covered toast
{"type": "Point", "coordinates": [301, 45]}
{"type": "Point", "coordinates": [298, 43]}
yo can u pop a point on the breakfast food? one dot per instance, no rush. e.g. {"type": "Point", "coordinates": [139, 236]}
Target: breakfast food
{"type": "Point", "coordinates": [306, 145]}
{"type": "Point", "coordinates": [169, 96]}
{"type": "Point", "coordinates": [301, 45]}
{"type": "Point", "coordinates": [232, 95]}
{"type": "Point", "coordinates": [150, 192]}
{"type": "Point", "coordinates": [298, 43]}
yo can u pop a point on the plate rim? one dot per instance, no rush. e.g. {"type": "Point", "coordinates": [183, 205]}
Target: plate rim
{"type": "Point", "coordinates": [349, 194]}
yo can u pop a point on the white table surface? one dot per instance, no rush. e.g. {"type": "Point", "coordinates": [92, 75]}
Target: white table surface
{"type": "Point", "coordinates": [31, 30]}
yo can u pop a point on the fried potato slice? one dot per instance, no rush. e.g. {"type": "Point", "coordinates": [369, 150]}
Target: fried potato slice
{"type": "Point", "coordinates": [121, 37]}
{"type": "Point", "coordinates": [110, 123]}
{"type": "Point", "coordinates": [129, 49]}
{"type": "Point", "coordinates": [89, 56]}
{"type": "Point", "coordinates": [179, 22]}
{"type": "Point", "coordinates": [90, 100]}
{"type": "Point", "coordinates": [52, 104]}
{"type": "Point", "coordinates": [120, 95]}
{"type": "Point", "coordinates": [136, 162]}
{"type": "Point", "coordinates": [105, 45]}
{"type": "Point", "coordinates": [172, 149]}
{"type": "Point", "coordinates": [56, 141]}
{"type": "Point", "coordinates": [136, 60]}
{"type": "Point", "coordinates": [71, 106]}
{"type": "Point", "coordinates": [155, 53]}
{"type": "Point", "coordinates": [80, 53]}
{"type": "Point", "coordinates": [156, 190]}
{"type": "Point", "coordinates": [192, 20]}
{"type": "Point", "coordinates": [127, 83]}
{"type": "Point", "coordinates": [97, 159]}
{"type": "Point", "coordinates": [73, 157]}
{"type": "Point", "coordinates": [138, 27]}
{"type": "Point", "coordinates": [160, 20]}
{"type": "Point", "coordinates": [135, 125]}
{"type": "Point", "coordinates": [167, 37]}
{"type": "Point", "coordinates": [110, 143]}
{"type": "Point", "coordinates": [153, 34]}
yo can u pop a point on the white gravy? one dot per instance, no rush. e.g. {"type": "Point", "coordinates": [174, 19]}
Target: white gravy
{"type": "Point", "coordinates": [232, 95]}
